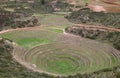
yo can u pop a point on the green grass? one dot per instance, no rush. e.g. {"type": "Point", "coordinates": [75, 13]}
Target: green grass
{"type": "Point", "coordinates": [31, 42]}
{"type": "Point", "coordinates": [53, 20]}
{"type": "Point", "coordinates": [30, 38]}
{"type": "Point", "coordinates": [61, 67]}
{"type": "Point", "coordinates": [56, 30]}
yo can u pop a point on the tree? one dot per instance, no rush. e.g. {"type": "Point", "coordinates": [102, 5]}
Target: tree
{"type": "Point", "coordinates": [42, 2]}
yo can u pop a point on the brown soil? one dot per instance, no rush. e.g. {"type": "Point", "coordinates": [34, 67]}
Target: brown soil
{"type": "Point", "coordinates": [109, 6]}
{"type": "Point", "coordinates": [97, 8]}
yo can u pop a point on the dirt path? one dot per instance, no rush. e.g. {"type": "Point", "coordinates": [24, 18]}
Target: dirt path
{"type": "Point", "coordinates": [92, 27]}
{"type": "Point", "coordinates": [28, 28]}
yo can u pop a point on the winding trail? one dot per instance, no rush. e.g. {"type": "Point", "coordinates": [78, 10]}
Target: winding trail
{"type": "Point", "coordinates": [93, 27]}
{"type": "Point", "coordinates": [29, 28]}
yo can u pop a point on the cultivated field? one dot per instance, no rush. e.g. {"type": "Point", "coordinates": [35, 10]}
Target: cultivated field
{"type": "Point", "coordinates": [47, 49]}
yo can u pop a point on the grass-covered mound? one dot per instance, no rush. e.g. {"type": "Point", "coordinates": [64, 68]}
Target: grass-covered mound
{"type": "Point", "coordinates": [87, 16]}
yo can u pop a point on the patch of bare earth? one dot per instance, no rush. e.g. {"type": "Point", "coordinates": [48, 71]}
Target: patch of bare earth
{"type": "Point", "coordinates": [109, 6]}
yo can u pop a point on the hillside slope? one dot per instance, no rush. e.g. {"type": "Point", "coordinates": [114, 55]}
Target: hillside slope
{"type": "Point", "coordinates": [88, 16]}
